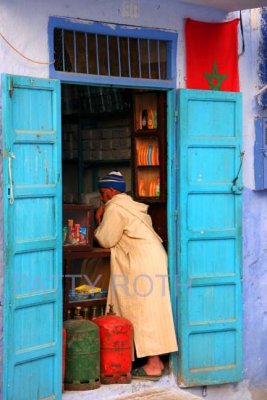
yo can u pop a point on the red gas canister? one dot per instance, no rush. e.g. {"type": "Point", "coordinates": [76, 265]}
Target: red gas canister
{"type": "Point", "coordinates": [116, 348]}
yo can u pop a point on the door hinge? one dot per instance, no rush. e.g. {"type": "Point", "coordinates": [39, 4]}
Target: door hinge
{"type": "Point", "coordinates": [11, 87]}
{"type": "Point", "coordinates": [175, 215]}
{"type": "Point", "coordinates": [176, 116]}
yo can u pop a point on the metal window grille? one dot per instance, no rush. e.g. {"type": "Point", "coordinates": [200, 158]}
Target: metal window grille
{"type": "Point", "coordinates": [108, 55]}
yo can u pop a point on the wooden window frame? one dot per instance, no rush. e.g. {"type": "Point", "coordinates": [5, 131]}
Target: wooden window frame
{"type": "Point", "coordinates": [123, 32]}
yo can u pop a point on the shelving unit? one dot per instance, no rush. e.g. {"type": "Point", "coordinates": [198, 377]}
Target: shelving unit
{"type": "Point", "coordinates": [88, 147]}
{"type": "Point", "coordinates": [149, 146]}
{"type": "Point", "coordinates": [149, 156]}
{"type": "Point", "coordinates": [82, 216]}
{"type": "Point", "coordinates": [98, 137]}
{"type": "Point", "coordinates": [68, 257]}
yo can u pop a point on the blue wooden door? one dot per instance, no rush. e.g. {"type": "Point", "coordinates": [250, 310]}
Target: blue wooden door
{"type": "Point", "coordinates": [32, 238]}
{"type": "Point", "coordinates": [209, 237]}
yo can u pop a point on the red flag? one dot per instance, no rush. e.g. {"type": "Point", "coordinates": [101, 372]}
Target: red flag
{"type": "Point", "coordinates": [212, 55]}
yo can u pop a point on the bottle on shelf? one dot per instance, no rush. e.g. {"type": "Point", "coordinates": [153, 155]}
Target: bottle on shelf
{"type": "Point", "coordinates": [86, 313]}
{"type": "Point", "coordinates": [144, 119]}
{"type": "Point", "coordinates": [157, 191]}
{"type": "Point", "coordinates": [70, 237]}
{"type": "Point", "coordinates": [77, 313]}
{"type": "Point", "coordinates": [65, 233]}
{"type": "Point", "coordinates": [94, 314]}
{"type": "Point", "coordinates": [155, 119]}
{"type": "Point", "coordinates": [150, 119]}
{"type": "Point", "coordinates": [77, 232]}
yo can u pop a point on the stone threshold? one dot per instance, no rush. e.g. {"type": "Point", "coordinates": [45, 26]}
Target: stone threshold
{"type": "Point", "coordinates": [165, 388]}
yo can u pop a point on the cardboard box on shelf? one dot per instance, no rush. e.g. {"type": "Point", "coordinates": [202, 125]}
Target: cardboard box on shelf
{"type": "Point", "coordinates": [106, 133]}
{"type": "Point", "coordinates": [106, 144]}
{"type": "Point", "coordinates": [116, 143]}
{"type": "Point", "coordinates": [125, 143]}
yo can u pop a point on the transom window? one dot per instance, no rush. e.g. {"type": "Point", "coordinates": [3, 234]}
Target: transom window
{"type": "Point", "coordinates": [90, 53]}
{"type": "Point", "coordinates": [100, 51]}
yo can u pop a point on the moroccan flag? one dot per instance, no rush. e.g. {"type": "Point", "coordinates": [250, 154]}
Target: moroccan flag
{"type": "Point", "coordinates": [212, 55]}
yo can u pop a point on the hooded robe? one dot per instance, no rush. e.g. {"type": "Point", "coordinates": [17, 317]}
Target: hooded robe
{"type": "Point", "coordinates": [138, 288]}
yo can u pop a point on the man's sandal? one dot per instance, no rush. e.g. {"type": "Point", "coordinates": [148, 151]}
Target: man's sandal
{"type": "Point", "coordinates": [140, 373]}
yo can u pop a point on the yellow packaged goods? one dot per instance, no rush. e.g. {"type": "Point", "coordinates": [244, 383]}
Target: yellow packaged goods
{"type": "Point", "coordinates": [87, 289]}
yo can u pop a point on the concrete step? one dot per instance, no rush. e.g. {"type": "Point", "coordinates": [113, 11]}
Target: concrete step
{"type": "Point", "coordinates": [164, 389]}
{"type": "Point", "coordinates": [160, 394]}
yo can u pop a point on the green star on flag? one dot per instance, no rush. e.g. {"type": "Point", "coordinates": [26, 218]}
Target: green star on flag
{"type": "Point", "coordinates": [215, 79]}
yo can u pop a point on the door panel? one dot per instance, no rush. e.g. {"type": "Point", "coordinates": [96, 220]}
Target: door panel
{"type": "Point", "coordinates": [32, 238]}
{"type": "Point", "coordinates": [209, 237]}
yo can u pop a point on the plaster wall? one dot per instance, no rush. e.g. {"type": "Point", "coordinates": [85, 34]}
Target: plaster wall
{"type": "Point", "coordinates": [255, 286]}
{"type": "Point", "coordinates": [1, 254]}
{"type": "Point", "coordinates": [24, 24]}
{"type": "Point", "coordinates": [254, 212]}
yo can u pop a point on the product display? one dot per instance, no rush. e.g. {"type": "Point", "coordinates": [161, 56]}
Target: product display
{"type": "Point", "coordinates": [78, 226]}
{"type": "Point", "coordinates": [74, 235]}
{"type": "Point", "coordinates": [85, 292]}
{"type": "Point", "coordinates": [149, 172]}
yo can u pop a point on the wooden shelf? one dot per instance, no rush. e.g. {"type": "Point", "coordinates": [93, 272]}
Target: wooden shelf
{"type": "Point", "coordinates": [149, 148]}
{"type": "Point", "coordinates": [70, 160]}
{"type": "Point", "coordinates": [97, 163]}
{"type": "Point", "coordinates": [84, 252]}
{"type": "Point", "coordinates": [68, 248]}
{"type": "Point", "coordinates": [87, 116]}
{"type": "Point", "coordinates": [149, 199]}
{"type": "Point", "coordinates": [101, 300]}
{"type": "Point", "coordinates": [146, 133]}
{"type": "Point", "coordinates": [80, 252]}
{"type": "Point", "coordinates": [148, 166]}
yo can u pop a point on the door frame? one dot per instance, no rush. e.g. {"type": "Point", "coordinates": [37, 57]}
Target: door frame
{"type": "Point", "coordinates": [172, 210]}
{"type": "Point", "coordinates": [169, 86]}
{"type": "Point", "coordinates": [171, 167]}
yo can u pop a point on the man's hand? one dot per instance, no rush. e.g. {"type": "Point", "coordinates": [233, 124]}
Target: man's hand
{"type": "Point", "coordinates": [99, 214]}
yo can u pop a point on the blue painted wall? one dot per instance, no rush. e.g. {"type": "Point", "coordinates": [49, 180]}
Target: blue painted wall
{"type": "Point", "coordinates": [255, 286]}
{"type": "Point", "coordinates": [255, 250]}
{"type": "Point", "coordinates": [1, 253]}
{"type": "Point", "coordinates": [263, 58]}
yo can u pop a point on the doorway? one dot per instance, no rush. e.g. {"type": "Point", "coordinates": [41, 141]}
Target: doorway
{"type": "Point", "coordinates": [104, 129]}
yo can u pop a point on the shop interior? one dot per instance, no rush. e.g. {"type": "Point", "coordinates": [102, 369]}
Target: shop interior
{"type": "Point", "coordinates": [105, 129]}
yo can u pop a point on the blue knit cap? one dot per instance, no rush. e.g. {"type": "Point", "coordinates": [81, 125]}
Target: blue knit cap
{"type": "Point", "coordinates": [113, 180]}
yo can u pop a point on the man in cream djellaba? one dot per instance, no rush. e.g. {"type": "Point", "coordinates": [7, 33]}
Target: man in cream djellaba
{"type": "Point", "coordinates": [138, 288]}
